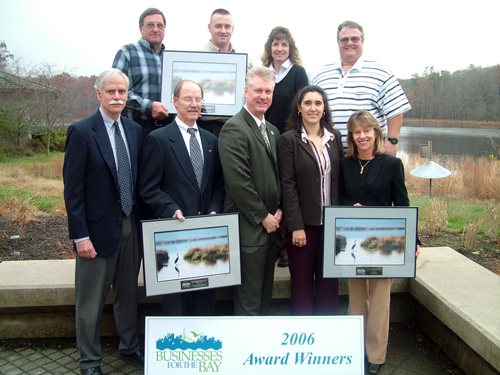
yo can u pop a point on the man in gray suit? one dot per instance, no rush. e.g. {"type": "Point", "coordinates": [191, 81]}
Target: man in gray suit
{"type": "Point", "coordinates": [248, 149]}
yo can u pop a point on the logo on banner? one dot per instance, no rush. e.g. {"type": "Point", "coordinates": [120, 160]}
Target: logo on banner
{"type": "Point", "coordinates": [190, 350]}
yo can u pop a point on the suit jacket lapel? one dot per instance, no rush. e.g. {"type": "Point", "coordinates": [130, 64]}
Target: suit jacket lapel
{"type": "Point", "coordinates": [305, 146]}
{"type": "Point", "coordinates": [272, 141]}
{"type": "Point", "coordinates": [208, 150]}
{"type": "Point", "coordinates": [102, 139]}
{"type": "Point", "coordinates": [256, 131]}
{"type": "Point", "coordinates": [181, 152]}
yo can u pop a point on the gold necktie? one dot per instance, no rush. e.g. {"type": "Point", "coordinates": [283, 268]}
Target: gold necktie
{"type": "Point", "coordinates": [264, 135]}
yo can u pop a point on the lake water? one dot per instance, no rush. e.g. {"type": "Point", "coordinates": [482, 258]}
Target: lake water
{"type": "Point", "coordinates": [355, 254]}
{"type": "Point", "coordinates": [448, 141]}
{"type": "Point", "coordinates": [177, 244]}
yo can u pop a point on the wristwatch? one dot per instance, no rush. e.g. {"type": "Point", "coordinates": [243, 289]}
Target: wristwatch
{"type": "Point", "coordinates": [394, 141]}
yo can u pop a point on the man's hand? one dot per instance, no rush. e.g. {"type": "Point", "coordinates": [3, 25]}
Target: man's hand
{"type": "Point", "coordinates": [86, 249]}
{"type": "Point", "coordinates": [278, 215]}
{"type": "Point", "coordinates": [270, 223]}
{"type": "Point", "coordinates": [159, 111]}
{"type": "Point", "coordinates": [179, 215]}
{"type": "Point", "coordinates": [390, 149]}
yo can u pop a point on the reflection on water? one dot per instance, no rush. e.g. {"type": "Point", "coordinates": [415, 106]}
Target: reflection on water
{"type": "Point", "coordinates": [354, 254]}
{"type": "Point", "coordinates": [172, 246]}
{"type": "Point", "coordinates": [448, 141]}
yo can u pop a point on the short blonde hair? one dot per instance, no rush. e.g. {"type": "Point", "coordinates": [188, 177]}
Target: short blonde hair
{"type": "Point", "coordinates": [366, 120]}
{"type": "Point", "coordinates": [260, 71]}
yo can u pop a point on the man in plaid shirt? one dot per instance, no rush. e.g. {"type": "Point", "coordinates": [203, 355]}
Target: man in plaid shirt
{"type": "Point", "coordinates": [142, 63]}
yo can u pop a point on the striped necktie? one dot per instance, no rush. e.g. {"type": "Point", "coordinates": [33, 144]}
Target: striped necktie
{"type": "Point", "coordinates": [196, 157]}
{"type": "Point", "coordinates": [124, 172]}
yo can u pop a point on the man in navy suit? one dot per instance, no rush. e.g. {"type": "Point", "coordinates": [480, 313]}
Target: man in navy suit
{"type": "Point", "coordinates": [181, 175]}
{"type": "Point", "coordinates": [100, 174]}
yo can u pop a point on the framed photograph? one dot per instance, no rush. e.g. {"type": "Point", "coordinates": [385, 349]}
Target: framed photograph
{"type": "Point", "coordinates": [370, 242]}
{"type": "Point", "coordinates": [221, 75]}
{"type": "Point", "coordinates": [202, 252]}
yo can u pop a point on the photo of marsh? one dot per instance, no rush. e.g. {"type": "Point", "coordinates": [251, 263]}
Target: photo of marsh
{"type": "Point", "coordinates": [218, 80]}
{"type": "Point", "coordinates": [192, 253]}
{"type": "Point", "coordinates": [369, 242]}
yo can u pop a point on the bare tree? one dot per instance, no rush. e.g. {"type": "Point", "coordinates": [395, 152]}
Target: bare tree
{"type": "Point", "coordinates": [51, 108]}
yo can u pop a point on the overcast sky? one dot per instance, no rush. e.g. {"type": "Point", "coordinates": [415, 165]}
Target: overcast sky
{"type": "Point", "coordinates": [82, 37]}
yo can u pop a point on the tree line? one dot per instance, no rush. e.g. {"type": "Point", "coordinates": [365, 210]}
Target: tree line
{"type": "Point", "coordinates": [472, 94]}
{"type": "Point", "coordinates": [38, 102]}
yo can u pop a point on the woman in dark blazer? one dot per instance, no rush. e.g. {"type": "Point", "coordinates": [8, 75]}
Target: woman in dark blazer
{"type": "Point", "coordinates": [309, 154]}
{"type": "Point", "coordinates": [368, 177]}
{"type": "Point", "coordinates": [282, 56]}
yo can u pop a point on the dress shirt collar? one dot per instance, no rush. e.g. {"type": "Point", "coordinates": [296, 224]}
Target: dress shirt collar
{"type": "Point", "coordinates": [284, 69]}
{"type": "Point", "coordinates": [148, 46]}
{"type": "Point", "coordinates": [108, 121]}
{"type": "Point", "coordinates": [184, 127]}
{"type": "Point", "coordinates": [256, 119]}
{"type": "Point", "coordinates": [327, 136]}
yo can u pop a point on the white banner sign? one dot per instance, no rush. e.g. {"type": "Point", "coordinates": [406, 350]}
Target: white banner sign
{"type": "Point", "coordinates": [254, 345]}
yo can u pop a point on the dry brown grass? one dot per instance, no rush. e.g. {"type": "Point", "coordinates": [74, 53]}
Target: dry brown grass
{"type": "Point", "coordinates": [469, 235]}
{"type": "Point", "coordinates": [436, 217]}
{"type": "Point", "coordinates": [470, 178]}
{"type": "Point", "coordinates": [34, 182]}
{"type": "Point", "coordinates": [492, 223]}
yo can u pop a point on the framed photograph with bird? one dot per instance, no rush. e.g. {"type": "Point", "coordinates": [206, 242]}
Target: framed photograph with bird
{"type": "Point", "coordinates": [201, 252]}
{"type": "Point", "coordinates": [370, 242]}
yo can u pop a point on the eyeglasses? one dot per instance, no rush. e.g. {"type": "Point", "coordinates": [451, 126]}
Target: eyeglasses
{"type": "Point", "coordinates": [189, 100]}
{"type": "Point", "coordinates": [354, 39]}
{"type": "Point", "coordinates": [151, 26]}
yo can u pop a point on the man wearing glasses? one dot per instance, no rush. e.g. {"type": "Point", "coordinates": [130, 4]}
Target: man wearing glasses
{"type": "Point", "coordinates": [355, 83]}
{"type": "Point", "coordinates": [144, 106]}
{"type": "Point", "coordinates": [185, 179]}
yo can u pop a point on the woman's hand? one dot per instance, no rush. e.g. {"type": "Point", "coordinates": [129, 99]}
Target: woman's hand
{"type": "Point", "coordinates": [299, 238]}
{"type": "Point", "coordinates": [417, 253]}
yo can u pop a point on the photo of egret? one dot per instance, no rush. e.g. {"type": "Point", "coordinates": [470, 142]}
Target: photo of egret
{"type": "Point", "coordinates": [369, 242]}
{"type": "Point", "coordinates": [218, 80]}
{"type": "Point", "coordinates": [192, 253]}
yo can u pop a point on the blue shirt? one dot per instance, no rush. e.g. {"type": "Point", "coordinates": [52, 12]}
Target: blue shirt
{"type": "Point", "coordinates": [143, 66]}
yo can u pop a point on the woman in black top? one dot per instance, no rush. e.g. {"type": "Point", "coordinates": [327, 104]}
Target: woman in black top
{"type": "Point", "coordinates": [369, 177]}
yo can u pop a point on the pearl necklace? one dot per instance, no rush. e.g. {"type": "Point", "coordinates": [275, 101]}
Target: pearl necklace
{"type": "Point", "coordinates": [363, 166]}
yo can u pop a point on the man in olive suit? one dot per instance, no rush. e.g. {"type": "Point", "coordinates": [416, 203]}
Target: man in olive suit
{"type": "Point", "coordinates": [248, 149]}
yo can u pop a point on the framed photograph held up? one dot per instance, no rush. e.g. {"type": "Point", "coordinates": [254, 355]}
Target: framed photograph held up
{"type": "Point", "coordinates": [202, 252]}
{"type": "Point", "coordinates": [370, 242]}
{"type": "Point", "coordinates": [221, 75]}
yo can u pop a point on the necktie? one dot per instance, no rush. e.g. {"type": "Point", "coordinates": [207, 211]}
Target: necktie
{"type": "Point", "coordinates": [264, 135]}
{"type": "Point", "coordinates": [196, 157]}
{"type": "Point", "coordinates": [124, 172]}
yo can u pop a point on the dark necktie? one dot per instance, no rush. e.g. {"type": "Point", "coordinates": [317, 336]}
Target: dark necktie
{"type": "Point", "coordinates": [196, 157]}
{"type": "Point", "coordinates": [124, 172]}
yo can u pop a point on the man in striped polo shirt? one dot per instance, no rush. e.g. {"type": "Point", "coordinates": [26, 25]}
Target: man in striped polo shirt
{"type": "Point", "coordinates": [354, 83]}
